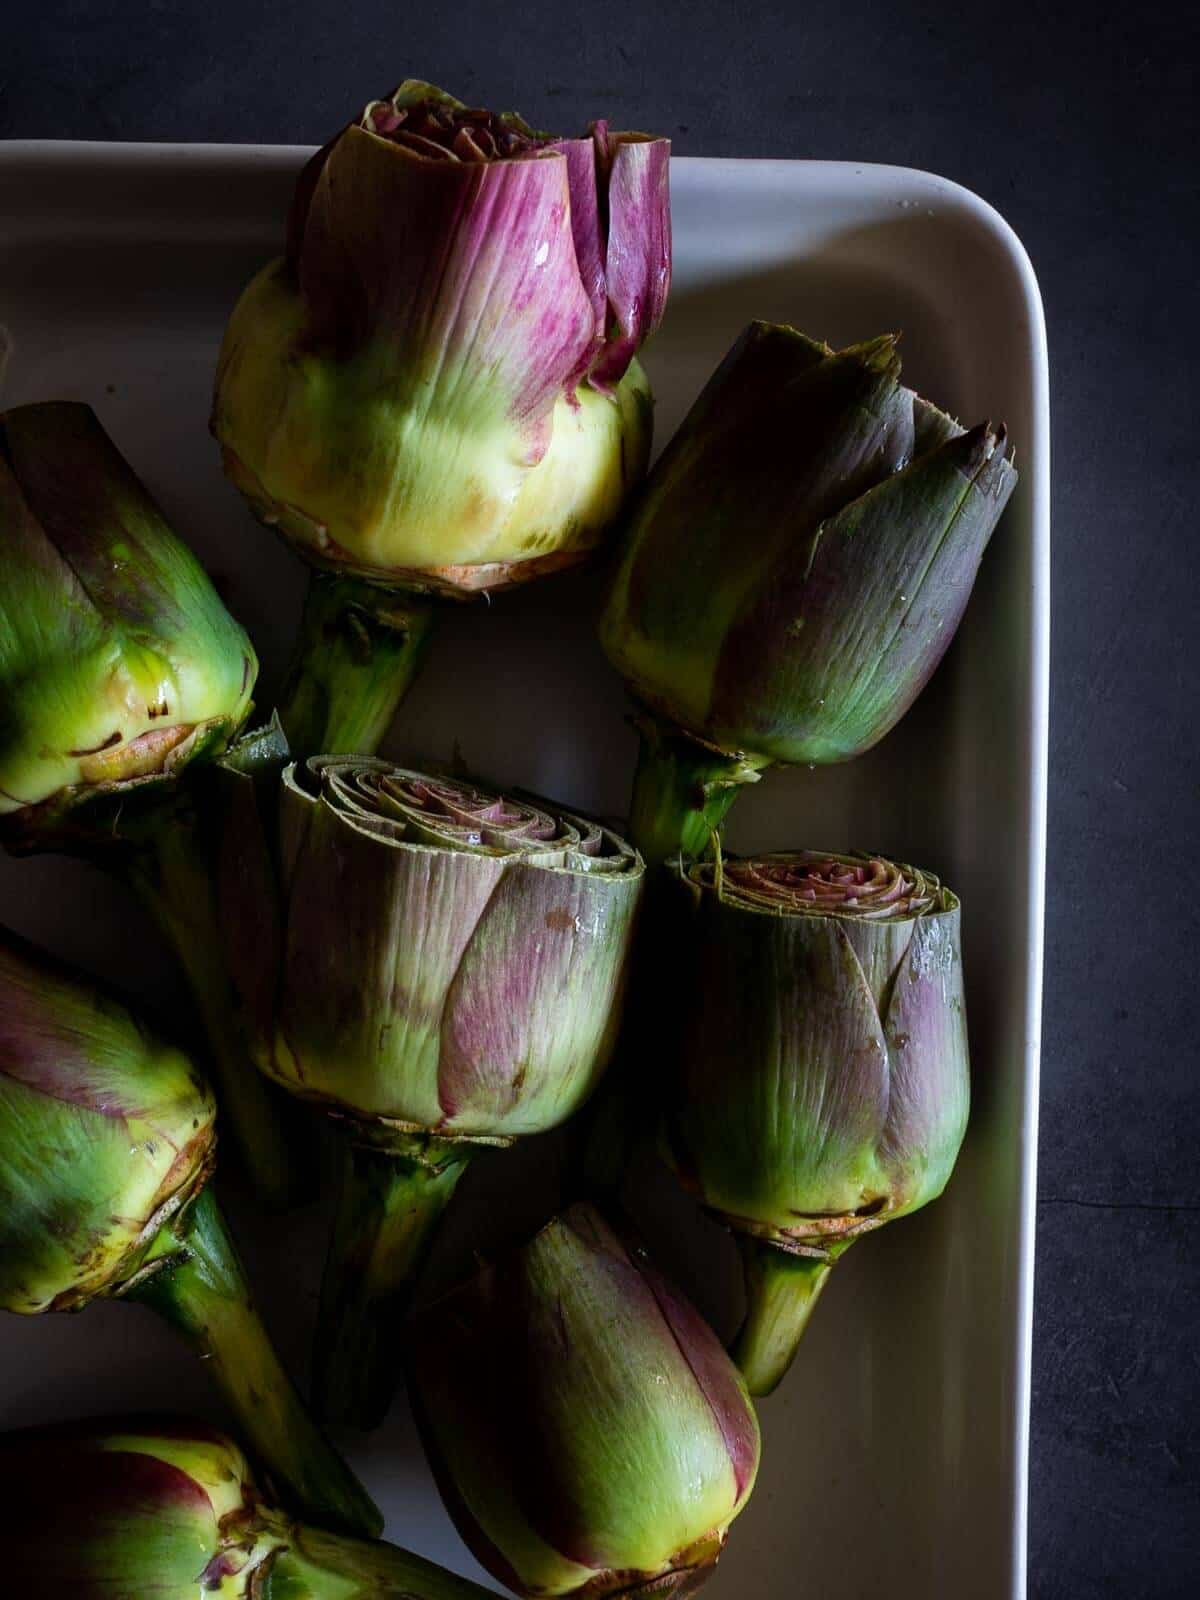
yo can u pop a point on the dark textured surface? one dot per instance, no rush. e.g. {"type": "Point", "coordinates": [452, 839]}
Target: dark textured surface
{"type": "Point", "coordinates": [1079, 124]}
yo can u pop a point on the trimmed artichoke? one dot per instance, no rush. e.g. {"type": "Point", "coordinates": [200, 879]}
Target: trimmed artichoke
{"type": "Point", "coordinates": [158, 1506]}
{"type": "Point", "coordinates": [794, 571]}
{"type": "Point", "coordinates": [106, 1145]}
{"type": "Point", "coordinates": [822, 1085]}
{"type": "Point", "coordinates": [121, 673]}
{"type": "Point", "coordinates": [588, 1433]}
{"type": "Point", "coordinates": [447, 976]}
{"type": "Point", "coordinates": [434, 389]}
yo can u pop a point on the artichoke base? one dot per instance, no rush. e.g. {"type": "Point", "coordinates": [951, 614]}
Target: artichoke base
{"type": "Point", "coordinates": [817, 1236]}
{"type": "Point", "coordinates": [157, 1245]}
{"type": "Point", "coordinates": [456, 581]}
{"type": "Point", "coordinates": [654, 712]}
{"type": "Point", "coordinates": [687, 1572]}
{"type": "Point", "coordinates": [409, 1141]}
{"type": "Point", "coordinates": [81, 818]}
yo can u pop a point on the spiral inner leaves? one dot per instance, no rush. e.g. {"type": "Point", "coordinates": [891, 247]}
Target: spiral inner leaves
{"type": "Point", "coordinates": [445, 813]}
{"type": "Point", "coordinates": [443, 130]}
{"type": "Point", "coordinates": [814, 883]}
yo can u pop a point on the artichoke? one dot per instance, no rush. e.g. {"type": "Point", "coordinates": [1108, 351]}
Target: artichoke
{"type": "Point", "coordinates": [434, 390]}
{"type": "Point", "coordinates": [121, 673]}
{"type": "Point", "coordinates": [447, 975]}
{"type": "Point", "coordinates": [588, 1433]}
{"type": "Point", "coordinates": [158, 1506]}
{"type": "Point", "coordinates": [793, 572]}
{"type": "Point", "coordinates": [821, 1084]}
{"type": "Point", "coordinates": [106, 1146]}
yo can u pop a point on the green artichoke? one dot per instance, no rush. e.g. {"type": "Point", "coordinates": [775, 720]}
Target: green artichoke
{"type": "Point", "coordinates": [434, 390]}
{"type": "Point", "coordinates": [106, 1145]}
{"type": "Point", "coordinates": [588, 1433]}
{"type": "Point", "coordinates": [160, 1507]}
{"type": "Point", "coordinates": [118, 661]}
{"type": "Point", "coordinates": [821, 1083]}
{"type": "Point", "coordinates": [121, 673]}
{"type": "Point", "coordinates": [447, 975]}
{"type": "Point", "coordinates": [793, 571]}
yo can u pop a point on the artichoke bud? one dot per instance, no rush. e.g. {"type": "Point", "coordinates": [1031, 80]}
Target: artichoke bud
{"type": "Point", "coordinates": [834, 983]}
{"type": "Point", "coordinates": [118, 662]}
{"type": "Point", "coordinates": [803, 551]}
{"type": "Point", "coordinates": [166, 1507]}
{"type": "Point", "coordinates": [145, 1508]}
{"type": "Point", "coordinates": [446, 972]}
{"type": "Point", "coordinates": [435, 387]}
{"type": "Point", "coordinates": [453, 961]}
{"type": "Point", "coordinates": [105, 1134]}
{"type": "Point", "coordinates": [588, 1433]}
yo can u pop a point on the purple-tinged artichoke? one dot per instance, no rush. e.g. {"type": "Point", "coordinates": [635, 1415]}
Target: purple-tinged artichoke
{"type": "Point", "coordinates": [793, 572]}
{"type": "Point", "coordinates": [588, 1433]}
{"type": "Point", "coordinates": [821, 1083]}
{"type": "Point", "coordinates": [106, 1146]}
{"type": "Point", "coordinates": [447, 976]}
{"type": "Point", "coordinates": [121, 675]}
{"type": "Point", "coordinates": [435, 389]}
{"type": "Point", "coordinates": [155, 1506]}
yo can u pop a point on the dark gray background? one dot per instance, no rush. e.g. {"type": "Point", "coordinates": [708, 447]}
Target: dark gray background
{"type": "Point", "coordinates": [1079, 124]}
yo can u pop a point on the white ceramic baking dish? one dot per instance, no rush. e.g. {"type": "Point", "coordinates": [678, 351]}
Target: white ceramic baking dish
{"type": "Point", "coordinates": [895, 1453]}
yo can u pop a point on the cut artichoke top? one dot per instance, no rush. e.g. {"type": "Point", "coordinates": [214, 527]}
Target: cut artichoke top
{"type": "Point", "coordinates": [816, 883]}
{"type": "Point", "coordinates": [431, 123]}
{"type": "Point", "coordinates": [415, 809]}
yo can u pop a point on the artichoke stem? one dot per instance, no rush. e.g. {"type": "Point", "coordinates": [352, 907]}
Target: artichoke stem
{"type": "Point", "coordinates": [316, 1565]}
{"type": "Point", "coordinates": [169, 872]}
{"type": "Point", "coordinates": [205, 1297]}
{"type": "Point", "coordinates": [781, 1291]}
{"type": "Point", "coordinates": [359, 649]}
{"type": "Point", "coordinates": [388, 1209]}
{"type": "Point", "coordinates": [682, 792]}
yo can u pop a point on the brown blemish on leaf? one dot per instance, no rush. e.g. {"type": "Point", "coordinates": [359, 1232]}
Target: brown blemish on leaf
{"type": "Point", "coordinates": [560, 921]}
{"type": "Point", "coordinates": [106, 744]}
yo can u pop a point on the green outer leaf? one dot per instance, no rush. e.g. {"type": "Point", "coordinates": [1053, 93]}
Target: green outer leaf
{"type": "Point", "coordinates": [927, 1049]}
{"type": "Point", "coordinates": [838, 643]}
{"type": "Point", "coordinates": [784, 1073]}
{"type": "Point", "coordinates": [110, 630]}
{"type": "Point", "coordinates": [541, 985]}
{"type": "Point", "coordinates": [100, 1125]}
{"type": "Point", "coordinates": [375, 933]}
